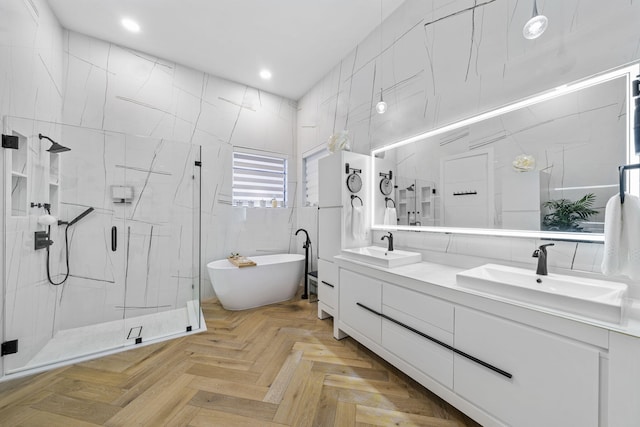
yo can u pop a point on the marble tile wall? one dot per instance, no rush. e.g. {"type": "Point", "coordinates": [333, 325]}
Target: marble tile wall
{"type": "Point", "coordinates": [32, 87]}
{"type": "Point", "coordinates": [446, 60]}
{"type": "Point", "coordinates": [113, 88]}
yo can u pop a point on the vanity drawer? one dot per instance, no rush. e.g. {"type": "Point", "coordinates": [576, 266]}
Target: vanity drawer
{"type": "Point", "coordinates": [554, 381]}
{"type": "Point", "coordinates": [427, 356]}
{"type": "Point", "coordinates": [423, 308]}
{"type": "Point", "coordinates": [360, 304]}
{"type": "Point", "coordinates": [328, 283]}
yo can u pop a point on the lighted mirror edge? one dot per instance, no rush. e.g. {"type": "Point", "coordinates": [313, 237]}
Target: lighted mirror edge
{"type": "Point", "coordinates": [627, 71]}
{"type": "Point", "coordinates": [496, 232]}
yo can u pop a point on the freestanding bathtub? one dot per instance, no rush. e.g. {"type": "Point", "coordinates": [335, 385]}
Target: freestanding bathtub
{"type": "Point", "coordinates": [275, 278]}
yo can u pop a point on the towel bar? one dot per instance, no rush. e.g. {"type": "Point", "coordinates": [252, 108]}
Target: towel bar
{"type": "Point", "coordinates": [623, 184]}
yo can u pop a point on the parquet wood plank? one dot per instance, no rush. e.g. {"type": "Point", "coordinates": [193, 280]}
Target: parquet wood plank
{"type": "Point", "coordinates": [234, 405]}
{"type": "Point", "coordinates": [172, 364]}
{"type": "Point", "coordinates": [242, 377]}
{"type": "Point", "coordinates": [308, 401]}
{"type": "Point", "coordinates": [291, 399]}
{"type": "Point", "coordinates": [86, 390]}
{"type": "Point", "coordinates": [157, 403]}
{"type": "Point", "coordinates": [209, 418]}
{"type": "Point", "coordinates": [280, 384]}
{"type": "Point", "coordinates": [182, 417]}
{"type": "Point", "coordinates": [38, 418]}
{"type": "Point", "coordinates": [345, 414]}
{"type": "Point", "coordinates": [326, 408]}
{"type": "Point", "coordinates": [351, 371]}
{"type": "Point", "coordinates": [230, 388]}
{"type": "Point", "coordinates": [381, 387]}
{"type": "Point", "coordinates": [385, 417]}
{"type": "Point", "coordinates": [80, 409]}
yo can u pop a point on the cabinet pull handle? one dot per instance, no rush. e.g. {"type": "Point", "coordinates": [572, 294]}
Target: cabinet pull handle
{"type": "Point", "coordinates": [328, 284]}
{"type": "Point", "coordinates": [445, 345]}
{"type": "Point", "coordinates": [114, 238]}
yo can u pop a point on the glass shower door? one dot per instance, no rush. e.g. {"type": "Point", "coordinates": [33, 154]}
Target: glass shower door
{"type": "Point", "coordinates": [162, 223]}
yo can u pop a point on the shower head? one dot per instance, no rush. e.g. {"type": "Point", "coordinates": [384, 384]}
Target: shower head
{"type": "Point", "coordinates": [55, 147]}
{"type": "Point", "coordinates": [79, 217]}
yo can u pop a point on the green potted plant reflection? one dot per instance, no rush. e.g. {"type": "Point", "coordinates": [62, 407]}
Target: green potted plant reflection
{"type": "Point", "coordinates": [566, 215]}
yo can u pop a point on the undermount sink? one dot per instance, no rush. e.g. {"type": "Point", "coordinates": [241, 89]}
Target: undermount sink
{"type": "Point", "coordinates": [381, 256]}
{"type": "Point", "coordinates": [597, 299]}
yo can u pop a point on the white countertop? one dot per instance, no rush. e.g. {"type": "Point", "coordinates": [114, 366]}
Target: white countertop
{"type": "Point", "coordinates": [439, 280]}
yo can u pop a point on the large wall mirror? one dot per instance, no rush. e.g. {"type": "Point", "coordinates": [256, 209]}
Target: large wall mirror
{"type": "Point", "coordinates": [542, 167]}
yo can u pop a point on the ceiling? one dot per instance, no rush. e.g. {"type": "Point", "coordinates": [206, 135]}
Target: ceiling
{"type": "Point", "coordinates": [299, 41]}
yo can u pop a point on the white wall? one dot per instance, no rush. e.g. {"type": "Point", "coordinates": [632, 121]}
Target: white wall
{"type": "Point", "coordinates": [446, 60]}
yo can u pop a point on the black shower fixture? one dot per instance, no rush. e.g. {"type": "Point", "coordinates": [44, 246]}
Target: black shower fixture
{"type": "Point", "coordinates": [55, 147]}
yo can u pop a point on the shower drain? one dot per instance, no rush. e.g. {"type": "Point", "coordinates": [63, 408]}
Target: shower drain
{"type": "Point", "coordinates": [135, 332]}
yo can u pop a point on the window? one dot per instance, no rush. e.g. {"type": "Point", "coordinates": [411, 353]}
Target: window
{"type": "Point", "coordinates": [257, 178]}
{"type": "Point", "coordinates": [312, 177]}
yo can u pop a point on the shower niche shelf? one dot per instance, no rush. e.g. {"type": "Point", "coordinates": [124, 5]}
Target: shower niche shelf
{"type": "Point", "coordinates": [18, 165]}
{"type": "Point", "coordinates": [54, 182]}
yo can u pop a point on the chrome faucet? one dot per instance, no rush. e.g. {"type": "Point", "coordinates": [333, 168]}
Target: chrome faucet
{"type": "Point", "coordinates": [390, 239]}
{"type": "Point", "coordinates": [541, 254]}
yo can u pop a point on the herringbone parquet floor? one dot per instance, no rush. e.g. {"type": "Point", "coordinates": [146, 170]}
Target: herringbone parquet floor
{"type": "Point", "coordinates": [272, 366]}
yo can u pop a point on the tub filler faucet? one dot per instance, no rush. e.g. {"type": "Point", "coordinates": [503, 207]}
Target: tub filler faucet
{"type": "Point", "coordinates": [541, 254]}
{"type": "Point", "coordinates": [389, 237]}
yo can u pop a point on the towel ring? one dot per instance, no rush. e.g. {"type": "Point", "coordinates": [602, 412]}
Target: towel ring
{"type": "Point", "coordinates": [353, 196]}
{"type": "Point", "coordinates": [387, 200]}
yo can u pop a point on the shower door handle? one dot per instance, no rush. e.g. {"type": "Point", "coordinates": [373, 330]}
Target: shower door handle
{"type": "Point", "coordinates": [114, 238]}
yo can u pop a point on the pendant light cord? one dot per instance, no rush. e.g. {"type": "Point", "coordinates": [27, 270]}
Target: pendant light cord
{"type": "Point", "coordinates": [381, 64]}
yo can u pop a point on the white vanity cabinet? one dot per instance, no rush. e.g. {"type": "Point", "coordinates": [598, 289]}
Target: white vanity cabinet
{"type": "Point", "coordinates": [360, 300]}
{"type": "Point", "coordinates": [555, 380]}
{"type": "Point", "coordinates": [498, 370]}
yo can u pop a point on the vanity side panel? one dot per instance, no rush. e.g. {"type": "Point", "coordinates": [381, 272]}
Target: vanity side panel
{"type": "Point", "coordinates": [624, 380]}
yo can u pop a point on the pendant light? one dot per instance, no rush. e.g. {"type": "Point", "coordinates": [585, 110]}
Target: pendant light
{"type": "Point", "coordinates": [381, 106]}
{"type": "Point", "coordinates": [536, 25]}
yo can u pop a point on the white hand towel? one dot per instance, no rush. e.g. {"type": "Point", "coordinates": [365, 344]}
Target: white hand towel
{"type": "Point", "coordinates": [390, 216]}
{"type": "Point", "coordinates": [357, 222]}
{"type": "Point", "coordinates": [622, 237]}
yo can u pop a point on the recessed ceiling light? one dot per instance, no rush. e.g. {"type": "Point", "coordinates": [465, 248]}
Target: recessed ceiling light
{"type": "Point", "coordinates": [265, 74]}
{"type": "Point", "coordinates": [130, 25]}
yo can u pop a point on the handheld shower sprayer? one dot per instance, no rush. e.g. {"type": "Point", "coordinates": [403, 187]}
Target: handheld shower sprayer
{"type": "Point", "coordinates": [66, 242]}
{"type": "Point", "coordinates": [76, 219]}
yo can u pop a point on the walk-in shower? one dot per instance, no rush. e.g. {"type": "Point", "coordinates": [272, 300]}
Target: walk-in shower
{"type": "Point", "coordinates": [120, 227]}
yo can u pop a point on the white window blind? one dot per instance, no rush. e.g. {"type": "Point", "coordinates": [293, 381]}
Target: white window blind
{"type": "Point", "coordinates": [258, 177]}
{"type": "Point", "coordinates": [312, 177]}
